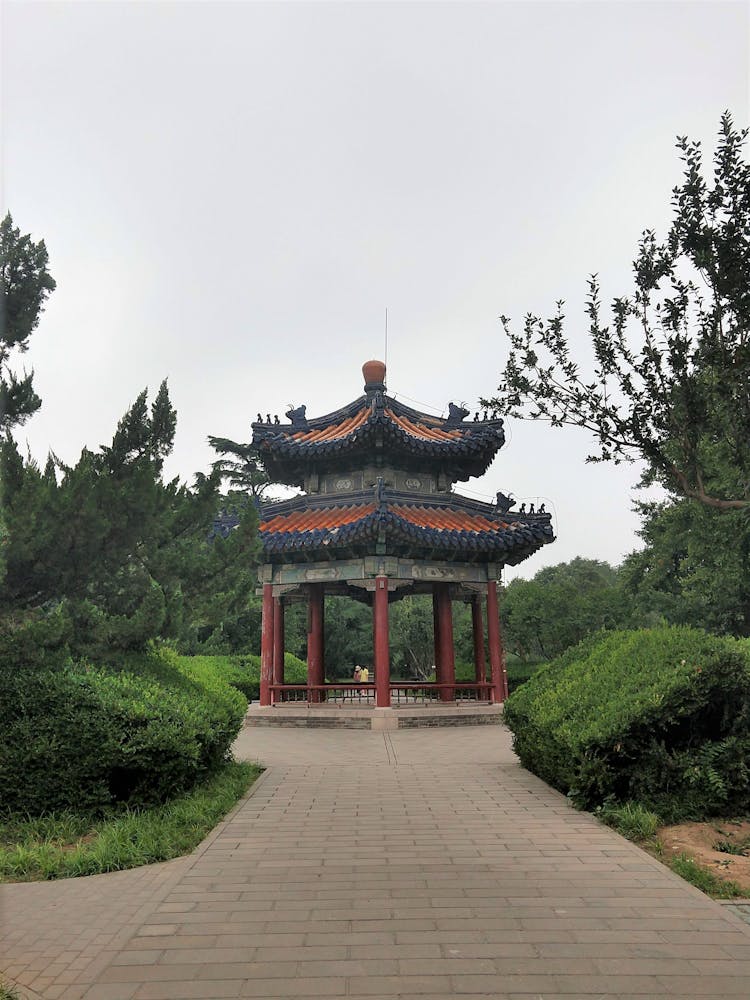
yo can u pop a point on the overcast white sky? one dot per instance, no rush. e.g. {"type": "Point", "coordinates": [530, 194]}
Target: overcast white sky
{"type": "Point", "coordinates": [232, 194]}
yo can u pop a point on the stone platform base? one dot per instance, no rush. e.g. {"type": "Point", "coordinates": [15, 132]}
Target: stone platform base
{"type": "Point", "coordinates": [339, 717]}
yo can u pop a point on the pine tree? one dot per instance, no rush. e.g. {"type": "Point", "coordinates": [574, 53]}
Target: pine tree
{"type": "Point", "coordinates": [25, 283]}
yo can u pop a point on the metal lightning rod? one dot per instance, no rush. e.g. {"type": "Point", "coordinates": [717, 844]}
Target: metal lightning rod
{"type": "Point", "coordinates": [385, 359]}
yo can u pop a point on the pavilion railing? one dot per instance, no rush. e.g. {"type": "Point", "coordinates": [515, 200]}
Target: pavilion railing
{"type": "Point", "coordinates": [342, 694]}
{"type": "Point", "coordinates": [402, 693]}
{"type": "Point", "coordinates": [420, 693]}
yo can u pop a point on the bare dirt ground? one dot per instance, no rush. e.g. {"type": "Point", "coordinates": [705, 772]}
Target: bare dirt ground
{"type": "Point", "coordinates": [722, 846]}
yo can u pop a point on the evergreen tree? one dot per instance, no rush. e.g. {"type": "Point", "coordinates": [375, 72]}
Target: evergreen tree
{"type": "Point", "coordinates": [126, 555]}
{"type": "Point", "coordinates": [242, 467]}
{"type": "Point", "coordinates": [25, 283]}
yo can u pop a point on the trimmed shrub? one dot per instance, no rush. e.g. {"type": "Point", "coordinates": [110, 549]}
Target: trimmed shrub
{"type": "Point", "coordinates": [660, 717]}
{"type": "Point", "coordinates": [243, 671]}
{"type": "Point", "coordinates": [518, 673]}
{"type": "Point", "coordinates": [82, 737]}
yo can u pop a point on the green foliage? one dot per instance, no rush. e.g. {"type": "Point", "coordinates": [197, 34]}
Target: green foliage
{"type": "Point", "coordinates": [660, 717]}
{"type": "Point", "coordinates": [245, 673]}
{"type": "Point", "coordinates": [79, 736]}
{"type": "Point", "coordinates": [671, 375]}
{"type": "Point", "coordinates": [741, 850]}
{"type": "Point", "coordinates": [25, 283]}
{"type": "Point", "coordinates": [124, 556]}
{"type": "Point", "coordinates": [8, 992]}
{"type": "Point", "coordinates": [562, 604]}
{"type": "Point", "coordinates": [411, 638]}
{"type": "Point", "coordinates": [632, 820]}
{"type": "Point", "coordinates": [241, 671]}
{"type": "Point", "coordinates": [704, 879]}
{"type": "Point", "coordinates": [242, 467]}
{"type": "Point", "coordinates": [348, 636]}
{"type": "Point", "coordinates": [34, 640]}
{"type": "Point", "coordinates": [519, 673]}
{"type": "Point", "coordinates": [694, 568]}
{"type": "Point", "coordinates": [62, 845]}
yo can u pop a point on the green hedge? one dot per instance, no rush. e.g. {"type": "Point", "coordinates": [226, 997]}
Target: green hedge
{"type": "Point", "coordinates": [660, 717]}
{"type": "Point", "coordinates": [518, 673]}
{"type": "Point", "coordinates": [243, 671]}
{"type": "Point", "coordinates": [83, 737]}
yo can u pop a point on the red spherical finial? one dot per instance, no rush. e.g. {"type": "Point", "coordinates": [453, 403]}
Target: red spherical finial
{"type": "Point", "coordinates": [374, 373]}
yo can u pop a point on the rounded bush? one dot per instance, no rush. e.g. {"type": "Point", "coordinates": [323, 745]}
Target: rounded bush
{"type": "Point", "coordinates": [81, 737]}
{"type": "Point", "coordinates": [657, 716]}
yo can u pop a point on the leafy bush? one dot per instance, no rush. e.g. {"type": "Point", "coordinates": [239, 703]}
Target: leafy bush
{"type": "Point", "coordinates": [518, 673]}
{"type": "Point", "coordinates": [241, 672]}
{"type": "Point", "coordinates": [84, 737]}
{"type": "Point", "coordinates": [661, 717]}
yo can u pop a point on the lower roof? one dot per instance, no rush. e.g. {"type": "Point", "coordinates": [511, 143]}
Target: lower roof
{"type": "Point", "coordinates": [450, 526]}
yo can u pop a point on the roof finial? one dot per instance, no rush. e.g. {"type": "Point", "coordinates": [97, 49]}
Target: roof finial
{"type": "Point", "coordinates": [374, 373]}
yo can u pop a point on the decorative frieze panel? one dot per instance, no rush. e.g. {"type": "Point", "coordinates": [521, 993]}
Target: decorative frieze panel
{"type": "Point", "coordinates": [367, 568]}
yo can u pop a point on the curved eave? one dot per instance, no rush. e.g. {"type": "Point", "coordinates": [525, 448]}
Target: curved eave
{"type": "Point", "coordinates": [469, 454]}
{"type": "Point", "coordinates": [296, 531]}
{"type": "Point", "coordinates": [289, 438]}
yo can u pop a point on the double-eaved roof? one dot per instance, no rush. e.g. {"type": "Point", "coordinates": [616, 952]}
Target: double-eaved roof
{"type": "Point", "coordinates": [378, 477]}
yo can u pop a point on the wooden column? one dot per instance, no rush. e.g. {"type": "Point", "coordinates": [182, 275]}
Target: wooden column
{"type": "Point", "coordinates": [477, 622]}
{"type": "Point", "coordinates": [381, 653]}
{"type": "Point", "coordinates": [447, 656]}
{"type": "Point", "coordinates": [266, 645]}
{"type": "Point", "coordinates": [315, 669]}
{"type": "Point", "coordinates": [498, 672]}
{"type": "Point", "coordinates": [436, 633]}
{"type": "Point", "coordinates": [278, 640]}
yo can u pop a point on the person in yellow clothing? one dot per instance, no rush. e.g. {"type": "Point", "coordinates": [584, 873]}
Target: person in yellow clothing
{"type": "Point", "coordinates": [364, 675]}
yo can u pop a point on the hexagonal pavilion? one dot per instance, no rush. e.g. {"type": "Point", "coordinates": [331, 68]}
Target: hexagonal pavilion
{"type": "Point", "coordinates": [379, 520]}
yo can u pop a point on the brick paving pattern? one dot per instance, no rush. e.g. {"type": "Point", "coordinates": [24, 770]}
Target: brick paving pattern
{"type": "Point", "coordinates": [413, 864]}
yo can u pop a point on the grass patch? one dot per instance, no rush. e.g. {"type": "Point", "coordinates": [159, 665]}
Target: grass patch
{"type": "Point", "coordinates": [63, 845]}
{"type": "Point", "coordinates": [639, 824]}
{"type": "Point", "coordinates": [632, 820]}
{"type": "Point", "coordinates": [704, 879]}
{"type": "Point", "coordinates": [8, 993]}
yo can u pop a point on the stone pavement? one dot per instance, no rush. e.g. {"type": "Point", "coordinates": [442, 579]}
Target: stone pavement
{"type": "Point", "coordinates": [417, 864]}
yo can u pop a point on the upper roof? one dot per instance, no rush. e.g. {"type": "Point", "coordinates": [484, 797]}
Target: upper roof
{"type": "Point", "coordinates": [376, 429]}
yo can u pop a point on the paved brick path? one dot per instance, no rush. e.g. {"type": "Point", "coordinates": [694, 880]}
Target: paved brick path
{"type": "Point", "coordinates": [422, 863]}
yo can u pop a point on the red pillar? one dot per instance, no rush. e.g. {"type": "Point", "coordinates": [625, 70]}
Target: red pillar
{"type": "Point", "coordinates": [381, 654]}
{"type": "Point", "coordinates": [315, 674]}
{"type": "Point", "coordinates": [278, 641]}
{"type": "Point", "coordinates": [498, 672]}
{"type": "Point", "coordinates": [436, 633]}
{"type": "Point", "coordinates": [266, 645]}
{"type": "Point", "coordinates": [447, 656]}
{"type": "Point", "coordinates": [480, 662]}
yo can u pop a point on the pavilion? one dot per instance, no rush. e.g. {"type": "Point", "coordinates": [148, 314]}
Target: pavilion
{"type": "Point", "coordinates": [378, 521]}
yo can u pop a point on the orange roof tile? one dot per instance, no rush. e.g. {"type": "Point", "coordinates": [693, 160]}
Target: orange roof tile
{"type": "Point", "coordinates": [336, 430]}
{"type": "Point", "coordinates": [313, 520]}
{"type": "Point", "coordinates": [443, 519]}
{"type": "Point", "coordinates": [422, 430]}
